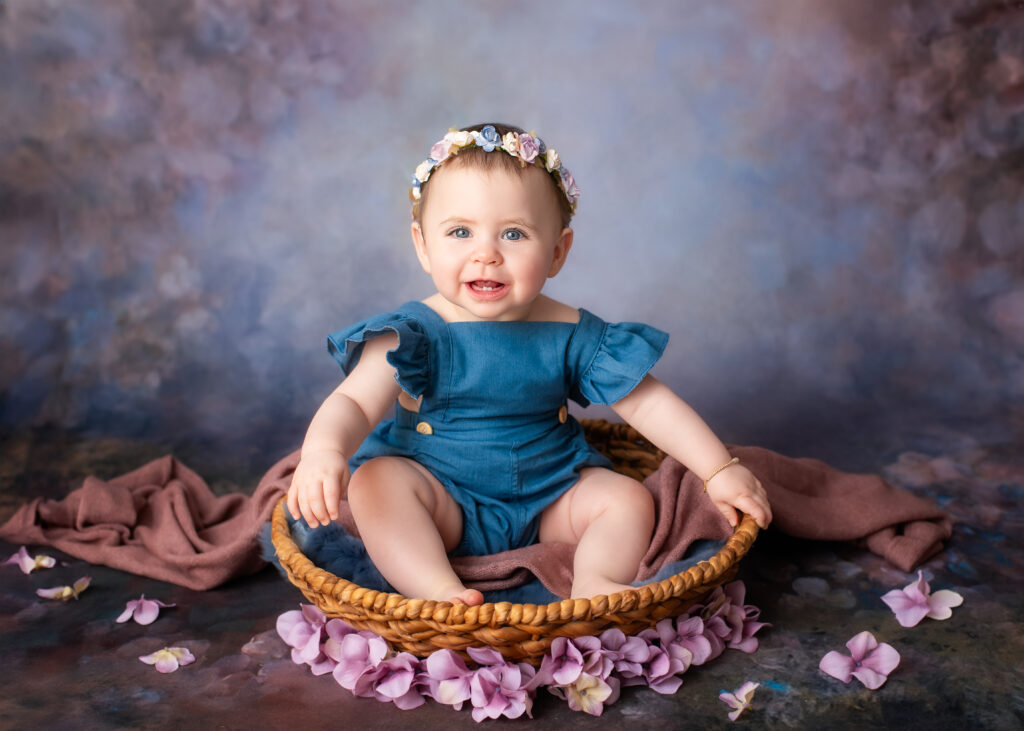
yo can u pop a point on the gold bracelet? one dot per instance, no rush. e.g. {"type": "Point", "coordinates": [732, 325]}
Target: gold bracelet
{"type": "Point", "coordinates": [728, 464]}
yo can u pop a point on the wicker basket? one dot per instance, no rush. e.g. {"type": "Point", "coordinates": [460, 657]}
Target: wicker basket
{"type": "Point", "coordinates": [521, 632]}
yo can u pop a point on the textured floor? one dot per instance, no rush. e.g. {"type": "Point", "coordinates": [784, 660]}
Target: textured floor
{"type": "Point", "coordinates": [70, 666]}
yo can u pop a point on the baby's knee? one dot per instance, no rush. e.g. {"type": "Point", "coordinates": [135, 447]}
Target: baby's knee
{"type": "Point", "coordinates": [637, 498]}
{"type": "Point", "coordinates": [366, 481]}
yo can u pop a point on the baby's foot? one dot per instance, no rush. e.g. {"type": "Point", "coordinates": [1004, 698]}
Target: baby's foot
{"type": "Point", "coordinates": [470, 597]}
{"type": "Point", "coordinates": [459, 594]}
{"type": "Point", "coordinates": [587, 587]}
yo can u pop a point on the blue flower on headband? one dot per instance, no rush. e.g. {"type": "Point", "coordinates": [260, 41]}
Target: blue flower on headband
{"type": "Point", "coordinates": [487, 138]}
{"type": "Point", "coordinates": [542, 149]}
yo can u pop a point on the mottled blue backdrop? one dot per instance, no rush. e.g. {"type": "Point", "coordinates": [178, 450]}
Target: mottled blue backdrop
{"type": "Point", "coordinates": [822, 202]}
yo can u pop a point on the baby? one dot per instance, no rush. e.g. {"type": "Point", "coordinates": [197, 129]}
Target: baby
{"type": "Point", "coordinates": [481, 455]}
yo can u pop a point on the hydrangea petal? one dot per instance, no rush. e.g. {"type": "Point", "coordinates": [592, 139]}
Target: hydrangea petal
{"type": "Point", "coordinates": [129, 610]}
{"type": "Point", "coordinates": [838, 665]}
{"type": "Point", "coordinates": [146, 612]}
{"type": "Point", "coordinates": [908, 610]}
{"type": "Point", "coordinates": [739, 700]}
{"type": "Point", "coordinates": [941, 603]}
{"type": "Point", "coordinates": [861, 644]}
{"type": "Point", "coordinates": [28, 563]}
{"type": "Point", "coordinates": [883, 659]}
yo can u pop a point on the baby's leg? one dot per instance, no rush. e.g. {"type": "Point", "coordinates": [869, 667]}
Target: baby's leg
{"type": "Point", "coordinates": [409, 522]}
{"type": "Point", "coordinates": [610, 518]}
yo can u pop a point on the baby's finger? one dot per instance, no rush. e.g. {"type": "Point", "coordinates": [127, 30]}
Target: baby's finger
{"type": "Point", "coordinates": [317, 506]}
{"type": "Point", "coordinates": [729, 512]}
{"type": "Point", "coordinates": [332, 496]}
{"type": "Point", "coordinates": [755, 508]}
{"type": "Point", "coordinates": [306, 508]}
{"type": "Point", "coordinates": [293, 502]}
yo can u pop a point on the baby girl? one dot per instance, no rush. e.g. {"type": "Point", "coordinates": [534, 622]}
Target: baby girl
{"type": "Point", "coordinates": [481, 455]}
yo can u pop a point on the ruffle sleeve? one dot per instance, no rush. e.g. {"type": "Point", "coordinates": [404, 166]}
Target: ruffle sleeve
{"type": "Point", "coordinates": [621, 354]}
{"type": "Point", "coordinates": [411, 359]}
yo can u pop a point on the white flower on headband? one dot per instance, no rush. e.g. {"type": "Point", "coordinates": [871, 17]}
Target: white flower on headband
{"type": "Point", "coordinates": [423, 170]}
{"type": "Point", "coordinates": [551, 161]}
{"type": "Point", "coordinates": [527, 147]}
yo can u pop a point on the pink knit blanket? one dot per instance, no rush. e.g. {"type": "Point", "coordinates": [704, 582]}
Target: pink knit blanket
{"type": "Point", "coordinates": [163, 521]}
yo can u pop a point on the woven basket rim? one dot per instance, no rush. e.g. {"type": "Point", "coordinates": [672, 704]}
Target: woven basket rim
{"type": "Point", "coordinates": [392, 606]}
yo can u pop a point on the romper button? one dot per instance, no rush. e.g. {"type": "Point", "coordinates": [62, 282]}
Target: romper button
{"type": "Point", "coordinates": [424, 428]}
{"type": "Point", "coordinates": [563, 414]}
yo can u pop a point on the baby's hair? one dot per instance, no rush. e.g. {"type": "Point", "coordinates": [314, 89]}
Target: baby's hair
{"type": "Point", "coordinates": [477, 157]}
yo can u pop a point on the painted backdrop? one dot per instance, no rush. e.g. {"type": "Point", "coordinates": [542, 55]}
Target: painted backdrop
{"type": "Point", "coordinates": [822, 202]}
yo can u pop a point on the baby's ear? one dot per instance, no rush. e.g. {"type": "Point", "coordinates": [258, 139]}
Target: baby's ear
{"type": "Point", "coordinates": [421, 247]}
{"type": "Point", "coordinates": [562, 247]}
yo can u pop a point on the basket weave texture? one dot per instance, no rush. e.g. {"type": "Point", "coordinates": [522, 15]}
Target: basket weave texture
{"type": "Point", "coordinates": [520, 632]}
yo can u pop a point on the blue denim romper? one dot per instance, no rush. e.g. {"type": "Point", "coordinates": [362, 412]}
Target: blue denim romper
{"type": "Point", "coordinates": [493, 425]}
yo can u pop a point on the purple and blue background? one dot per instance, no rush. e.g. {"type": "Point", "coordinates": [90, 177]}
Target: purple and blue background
{"type": "Point", "coordinates": [822, 202]}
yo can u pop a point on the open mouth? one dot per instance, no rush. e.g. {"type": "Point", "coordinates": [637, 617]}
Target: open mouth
{"type": "Point", "coordinates": [486, 288]}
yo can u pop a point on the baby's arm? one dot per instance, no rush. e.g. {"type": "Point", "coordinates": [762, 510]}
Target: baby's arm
{"type": "Point", "coordinates": [674, 427]}
{"type": "Point", "coordinates": [340, 425]}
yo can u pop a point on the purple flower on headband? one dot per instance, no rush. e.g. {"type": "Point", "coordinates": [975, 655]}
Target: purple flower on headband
{"type": "Point", "coordinates": [487, 138]}
{"type": "Point", "coordinates": [569, 184]}
{"type": "Point", "coordinates": [528, 148]}
{"type": "Point", "coordinates": [440, 150]}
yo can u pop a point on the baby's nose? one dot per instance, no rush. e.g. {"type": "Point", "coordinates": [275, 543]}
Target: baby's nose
{"type": "Point", "coordinates": [486, 254]}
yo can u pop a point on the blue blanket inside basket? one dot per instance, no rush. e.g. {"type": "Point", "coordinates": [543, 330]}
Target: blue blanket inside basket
{"type": "Point", "coordinates": [334, 550]}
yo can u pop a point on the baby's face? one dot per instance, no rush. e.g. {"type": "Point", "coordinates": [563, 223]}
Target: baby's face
{"type": "Point", "coordinates": [490, 239]}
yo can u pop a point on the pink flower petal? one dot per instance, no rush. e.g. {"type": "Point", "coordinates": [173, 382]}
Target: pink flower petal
{"type": "Point", "coordinates": [56, 592]}
{"type": "Point", "coordinates": [908, 610]}
{"type": "Point", "coordinates": [453, 691]}
{"type": "Point", "coordinates": [838, 665]}
{"type": "Point", "coordinates": [883, 659]}
{"type": "Point", "coordinates": [409, 700]}
{"type": "Point", "coordinates": [445, 664]}
{"type": "Point", "coordinates": [396, 685]}
{"type": "Point", "coordinates": [169, 659]}
{"type": "Point", "coordinates": [861, 644]}
{"type": "Point", "coordinates": [167, 664]}
{"type": "Point", "coordinates": [22, 559]}
{"type": "Point", "coordinates": [146, 611]}
{"type": "Point", "coordinates": [129, 610]}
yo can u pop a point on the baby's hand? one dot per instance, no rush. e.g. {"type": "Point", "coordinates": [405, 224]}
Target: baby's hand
{"type": "Point", "coordinates": [737, 488]}
{"type": "Point", "coordinates": [319, 481]}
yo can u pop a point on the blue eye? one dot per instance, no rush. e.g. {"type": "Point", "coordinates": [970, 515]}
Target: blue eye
{"type": "Point", "coordinates": [460, 232]}
{"type": "Point", "coordinates": [513, 235]}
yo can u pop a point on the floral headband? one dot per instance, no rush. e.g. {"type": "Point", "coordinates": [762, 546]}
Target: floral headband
{"type": "Point", "coordinates": [529, 148]}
